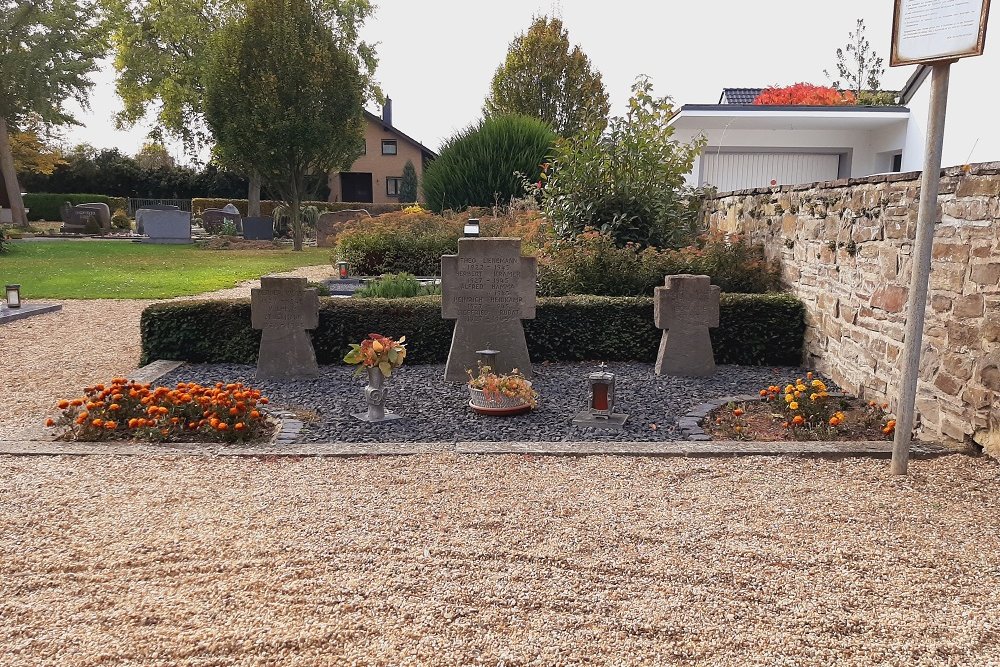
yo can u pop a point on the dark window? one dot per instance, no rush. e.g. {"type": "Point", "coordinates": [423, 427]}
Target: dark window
{"type": "Point", "coordinates": [897, 162]}
{"type": "Point", "coordinates": [388, 147]}
{"type": "Point", "coordinates": [392, 184]}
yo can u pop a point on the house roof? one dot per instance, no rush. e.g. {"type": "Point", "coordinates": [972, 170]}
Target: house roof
{"type": "Point", "coordinates": [739, 95]}
{"type": "Point", "coordinates": [427, 153]}
{"type": "Point", "coordinates": [772, 117]}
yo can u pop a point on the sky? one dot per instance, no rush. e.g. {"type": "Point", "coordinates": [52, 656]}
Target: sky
{"type": "Point", "coordinates": [437, 57]}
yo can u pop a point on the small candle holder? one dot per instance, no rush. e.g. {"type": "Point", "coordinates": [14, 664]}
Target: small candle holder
{"type": "Point", "coordinates": [600, 412]}
{"type": "Point", "coordinates": [488, 358]}
{"type": "Point", "coordinates": [13, 296]}
{"type": "Point", "coordinates": [342, 269]}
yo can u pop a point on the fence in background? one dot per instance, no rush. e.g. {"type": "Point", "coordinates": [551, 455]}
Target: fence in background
{"type": "Point", "coordinates": [135, 204]}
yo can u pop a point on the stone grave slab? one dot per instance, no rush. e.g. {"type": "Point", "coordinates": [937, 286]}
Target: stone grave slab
{"type": "Point", "coordinates": [258, 228]}
{"type": "Point", "coordinates": [285, 309]}
{"type": "Point", "coordinates": [488, 288]}
{"type": "Point", "coordinates": [685, 308]}
{"type": "Point", "coordinates": [171, 227]}
{"type": "Point", "coordinates": [26, 310]}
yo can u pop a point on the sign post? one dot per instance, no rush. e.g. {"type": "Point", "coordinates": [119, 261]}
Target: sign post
{"type": "Point", "coordinates": [937, 33]}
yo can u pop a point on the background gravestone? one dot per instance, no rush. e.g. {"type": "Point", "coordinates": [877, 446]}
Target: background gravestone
{"type": "Point", "coordinates": [168, 227]}
{"type": "Point", "coordinates": [488, 287]}
{"type": "Point", "coordinates": [285, 309]}
{"type": "Point", "coordinates": [258, 228]}
{"type": "Point", "coordinates": [685, 308]}
{"type": "Point", "coordinates": [139, 228]}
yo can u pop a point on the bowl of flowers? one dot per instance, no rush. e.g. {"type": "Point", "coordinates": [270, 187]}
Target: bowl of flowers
{"type": "Point", "coordinates": [500, 395]}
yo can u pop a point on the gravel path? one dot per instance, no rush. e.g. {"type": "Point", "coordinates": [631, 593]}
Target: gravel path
{"type": "Point", "coordinates": [44, 357]}
{"type": "Point", "coordinates": [438, 410]}
{"type": "Point", "coordinates": [438, 560]}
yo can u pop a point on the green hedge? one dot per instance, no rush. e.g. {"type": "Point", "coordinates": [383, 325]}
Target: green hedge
{"type": "Point", "coordinates": [267, 206]}
{"type": "Point", "coordinates": [755, 329]}
{"type": "Point", "coordinates": [45, 205]}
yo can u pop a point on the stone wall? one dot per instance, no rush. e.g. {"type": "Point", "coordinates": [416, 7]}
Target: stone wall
{"type": "Point", "coordinates": [846, 250]}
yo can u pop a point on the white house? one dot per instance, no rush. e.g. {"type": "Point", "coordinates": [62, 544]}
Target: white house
{"type": "Point", "coordinates": [756, 146]}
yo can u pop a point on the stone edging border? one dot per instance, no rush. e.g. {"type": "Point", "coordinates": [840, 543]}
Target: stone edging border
{"type": "Point", "coordinates": [690, 423]}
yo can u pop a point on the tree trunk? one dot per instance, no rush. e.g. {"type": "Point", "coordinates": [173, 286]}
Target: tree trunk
{"type": "Point", "coordinates": [253, 195]}
{"type": "Point", "coordinates": [18, 216]}
{"type": "Point", "coordinates": [296, 214]}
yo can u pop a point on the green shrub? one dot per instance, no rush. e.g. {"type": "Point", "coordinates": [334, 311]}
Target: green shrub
{"type": "Point", "coordinates": [119, 219]}
{"type": "Point", "coordinates": [45, 206]}
{"type": "Point", "coordinates": [755, 329]}
{"type": "Point", "coordinates": [627, 182]}
{"type": "Point", "coordinates": [408, 187]}
{"type": "Point", "coordinates": [267, 206]}
{"type": "Point", "coordinates": [593, 264]}
{"type": "Point", "coordinates": [478, 166]}
{"type": "Point", "coordinates": [396, 286]}
{"type": "Point", "coordinates": [398, 243]}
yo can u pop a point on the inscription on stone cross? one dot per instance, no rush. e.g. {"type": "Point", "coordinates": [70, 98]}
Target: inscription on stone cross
{"type": "Point", "coordinates": [488, 288]}
{"type": "Point", "coordinates": [685, 308]}
{"type": "Point", "coordinates": [284, 309]}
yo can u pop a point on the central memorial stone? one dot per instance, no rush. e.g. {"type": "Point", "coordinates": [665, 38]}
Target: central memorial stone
{"type": "Point", "coordinates": [685, 307]}
{"type": "Point", "coordinates": [284, 309]}
{"type": "Point", "coordinates": [488, 288]}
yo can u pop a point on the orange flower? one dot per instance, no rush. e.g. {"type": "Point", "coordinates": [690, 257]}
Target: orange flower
{"type": "Point", "coordinates": [50, 422]}
{"type": "Point", "coordinates": [798, 420]}
{"type": "Point", "coordinates": [738, 412]}
{"type": "Point", "coordinates": [114, 406]}
{"type": "Point", "coordinates": [132, 423]}
{"type": "Point", "coordinates": [193, 425]}
{"type": "Point", "coordinates": [254, 414]}
{"type": "Point", "coordinates": [264, 400]}
{"type": "Point", "coordinates": [763, 392]}
{"type": "Point", "coordinates": [834, 421]}
{"type": "Point", "coordinates": [63, 404]}
{"type": "Point", "coordinates": [111, 426]}
{"type": "Point", "coordinates": [97, 423]}
{"type": "Point", "coordinates": [240, 426]}
{"type": "Point", "coordinates": [234, 411]}
{"type": "Point", "coordinates": [223, 426]}
{"type": "Point", "coordinates": [76, 402]}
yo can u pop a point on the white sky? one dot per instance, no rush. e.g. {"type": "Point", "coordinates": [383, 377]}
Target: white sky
{"type": "Point", "coordinates": [436, 59]}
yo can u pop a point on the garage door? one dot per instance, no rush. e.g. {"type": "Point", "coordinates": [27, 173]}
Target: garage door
{"type": "Point", "coordinates": [736, 171]}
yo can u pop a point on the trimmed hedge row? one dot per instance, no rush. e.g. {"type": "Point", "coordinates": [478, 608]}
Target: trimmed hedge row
{"type": "Point", "coordinates": [755, 329]}
{"type": "Point", "coordinates": [267, 206]}
{"type": "Point", "coordinates": [45, 205]}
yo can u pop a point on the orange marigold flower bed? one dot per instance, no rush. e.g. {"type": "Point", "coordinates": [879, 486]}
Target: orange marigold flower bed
{"type": "Point", "coordinates": [127, 410]}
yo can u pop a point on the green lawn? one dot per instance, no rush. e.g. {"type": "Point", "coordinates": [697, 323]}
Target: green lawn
{"type": "Point", "coordinates": [123, 270]}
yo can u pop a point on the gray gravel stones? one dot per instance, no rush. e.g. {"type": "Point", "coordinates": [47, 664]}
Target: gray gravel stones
{"type": "Point", "coordinates": [438, 411]}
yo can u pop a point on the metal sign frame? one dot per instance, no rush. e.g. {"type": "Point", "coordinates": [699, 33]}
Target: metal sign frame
{"type": "Point", "coordinates": [896, 61]}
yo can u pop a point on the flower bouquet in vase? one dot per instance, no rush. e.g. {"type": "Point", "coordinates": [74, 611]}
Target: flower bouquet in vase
{"type": "Point", "coordinates": [378, 355]}
{"type": "Point", "coordinates": [492, 394]}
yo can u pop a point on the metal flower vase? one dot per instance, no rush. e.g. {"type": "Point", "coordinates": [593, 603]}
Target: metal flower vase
{"type": "Point", "coordinates": [375, 395]}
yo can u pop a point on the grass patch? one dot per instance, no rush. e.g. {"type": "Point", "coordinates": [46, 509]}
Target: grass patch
{"type": "Point", "coordinates": [122, 270]}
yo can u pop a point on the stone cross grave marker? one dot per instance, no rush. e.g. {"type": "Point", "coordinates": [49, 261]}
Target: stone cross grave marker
{"type": "Point", "coordinates": [284, 309]}
{"type": "Point", "coordinates": [488, 287]}
{"type": "Point", "coordinates": [685, 308]}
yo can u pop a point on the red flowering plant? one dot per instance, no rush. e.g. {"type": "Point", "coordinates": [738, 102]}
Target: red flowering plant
{"type": "Point", "coordinates": [377, 351]}
{"type": "Point", "coordinates": [188, 412]}
{"type": "Point", "coordinates": [805, 94]}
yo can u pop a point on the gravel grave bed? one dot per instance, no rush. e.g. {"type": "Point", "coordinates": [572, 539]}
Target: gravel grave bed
{"type": "Point", "coordinates": [508, 560]}
{"type": "Point", "coordinates": [436, 410]}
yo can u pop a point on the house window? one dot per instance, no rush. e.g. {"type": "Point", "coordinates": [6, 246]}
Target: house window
{"type": "Point", "coordinates": [392, 185]}
{"type": "Point", "coordinates": [897, 162]}
{"type": "Point", "coordinates": [388, 147]}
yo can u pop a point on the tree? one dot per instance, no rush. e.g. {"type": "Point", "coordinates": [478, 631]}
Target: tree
{"type": "Point", "coordinates": [544, 78]}
{"type": "Point", "coordinates": [479, 165]}
{"type": "Point", "coordinates": [161, 55]}
{"type": "Point", "coordinates": [301, 94]}
{"type": "Point", "coordinates": [48, 48]}
{"type": "Point", "coordinates": [628, 182]}
{"type": "Point", "coordinates": [858, 65]}
{"type": "Point", "coordinates": [154, 156]}
{"type": "Point", "coordinates": [408, 187]}
{"type": "Point", "coordinates": [33, 154]}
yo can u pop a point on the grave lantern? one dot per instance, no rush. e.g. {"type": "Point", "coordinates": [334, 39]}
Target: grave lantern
{"type": "Point", "coordinates": [602, 393]}
{"type": "Point", "coordinates": [488, 358]}
{"type": "Point", "coordinates": [472, 227]}
{"type": "Point", "coordinates": [342, 268]}
{"type": "Point", "coordinates": [13, 296]}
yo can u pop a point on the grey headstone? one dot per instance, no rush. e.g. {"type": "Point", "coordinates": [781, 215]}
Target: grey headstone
{"type": "Point", "coordinates": [103, 214]}
{"type": "Point", "coordinates": [165, 226]}
{"type": "Point", "coordinates": [212, 219]}
{"type": "Point", "coordinates": [488, 287]}
{"type": "Point", "coordinates": [258, 228]}
{"type": "Point", "coordinates": [329, 223]}
{"type": "Point", "coordinates": [284, 309]}
{"type": "Point", "coordinates": [139, 227]}
{"type": "Point", "coordinates": [685, 308]}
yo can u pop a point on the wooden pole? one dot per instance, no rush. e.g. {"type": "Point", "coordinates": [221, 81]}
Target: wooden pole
{"type": "Point", "coordinates": [916, 303]}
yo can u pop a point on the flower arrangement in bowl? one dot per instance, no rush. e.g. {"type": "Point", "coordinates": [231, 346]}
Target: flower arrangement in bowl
{"type": "Point", "coordinates": [493, 394]}
{"type": "Point", "coordinates": [377, 351]}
